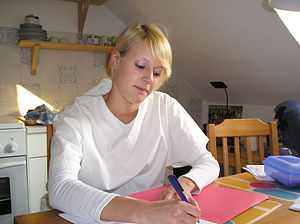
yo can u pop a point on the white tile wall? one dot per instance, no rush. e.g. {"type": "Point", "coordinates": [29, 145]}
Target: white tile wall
{"type": "Point", "coordinates": [50, 91]}
{"type": "Point", "coordinates": [9, 107]}
{"type": "Point", "coordinates": [8, 93]}
{"type": "Point", "coordinates": [27, 77]}
{"type": "Point", "coordinates": [49, 74]}
{"type": "Point", "coordinates": [10, 73]}
{"type": "Point", "coordinates": [84, 74]}
{"type": "Point", "coordinates": [83, 87]}
{"type": "Point", "coordinates": [67, 58]}
{"type": "Point", "coordinates": [83, 58]}
{"type": "Point", "coordinates": [99, 73]}
{"type": "Point", "coordinates": [10, 55]}
{"type": "Point", "coordinates": [48, 57]}
{"type": "Point", "coordinates": [67, 90]}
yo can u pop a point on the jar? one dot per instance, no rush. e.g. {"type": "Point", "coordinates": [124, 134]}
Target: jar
{"type": "Point", "coordinates": [32, 19]}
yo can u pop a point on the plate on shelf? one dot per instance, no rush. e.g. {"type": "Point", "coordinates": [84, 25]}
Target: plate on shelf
{"type": "Point", "coordinates": [30, 26]}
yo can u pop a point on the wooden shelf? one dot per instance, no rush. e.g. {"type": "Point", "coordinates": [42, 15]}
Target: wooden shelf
{"type": "Point", "coordinates": [37, 45]}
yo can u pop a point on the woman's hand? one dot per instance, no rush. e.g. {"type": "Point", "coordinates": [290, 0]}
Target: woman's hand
{"type": "Point", "coordinates": [169, 212]}
{"type": "Point", "coordinates": [122, 209]}
{"type": "Point", "coordinates": [188, 187]}
{"type": "Point", "coordinates": [170, 209]}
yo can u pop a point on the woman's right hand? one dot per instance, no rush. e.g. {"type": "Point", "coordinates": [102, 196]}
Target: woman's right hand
{"type": "Point", "coordinates": [169, 212]}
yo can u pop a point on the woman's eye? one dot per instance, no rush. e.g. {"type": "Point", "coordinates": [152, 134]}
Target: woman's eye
{"type": "Point", "coordinates": [140, 66]}
{"type": "Point", "coordinates": [157, 72]}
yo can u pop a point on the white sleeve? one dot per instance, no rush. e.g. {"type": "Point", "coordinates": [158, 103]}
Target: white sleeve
{"type": "Point", "coordinates": [188, 147]}
{"type": "Point", "coordinates": [66, 192]}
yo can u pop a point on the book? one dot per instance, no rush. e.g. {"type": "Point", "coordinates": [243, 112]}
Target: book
{"type": "Point", "coordinates": [258, 172]}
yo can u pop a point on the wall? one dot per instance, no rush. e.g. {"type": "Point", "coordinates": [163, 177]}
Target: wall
{"type": "Point", "coordinates": [189, 98]}
{"type": "Point", "coordinates": [263, 112]}
{"type": "Point", "coordinates": [62, 75]}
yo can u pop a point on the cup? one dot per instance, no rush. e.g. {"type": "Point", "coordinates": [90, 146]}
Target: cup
{"type": "Point", "coordinates": [63, 40]}
{"type": "Point", "coordinates": [53, 39]}
{"type": "Point", "coordinates": [93, 39]}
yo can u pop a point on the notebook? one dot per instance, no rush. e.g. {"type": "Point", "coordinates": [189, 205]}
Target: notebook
{"type": "Point", "coordinates": [217, 204]}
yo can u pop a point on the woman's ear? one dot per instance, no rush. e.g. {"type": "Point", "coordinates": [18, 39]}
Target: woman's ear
{"type": "Point", "coordinates": [114, 59]}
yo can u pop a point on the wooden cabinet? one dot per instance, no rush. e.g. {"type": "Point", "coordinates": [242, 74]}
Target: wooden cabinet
{"type": "Point", "coordinates": [36, 165]}
{"type": "Point", "coordinates": [37, 45]}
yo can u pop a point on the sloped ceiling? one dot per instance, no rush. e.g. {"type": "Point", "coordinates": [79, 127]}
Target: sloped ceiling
{"type": "Point", "coordinates": [241, 42]}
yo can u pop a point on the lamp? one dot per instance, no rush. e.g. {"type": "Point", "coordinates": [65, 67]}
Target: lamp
{"type": "Point", "coordinates": [221, 85]}
{"type": "Point", "coordinates": [289, 12]}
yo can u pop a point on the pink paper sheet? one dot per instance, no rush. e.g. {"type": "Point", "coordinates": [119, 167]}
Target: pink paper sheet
{"type": "Point", "coordinates": [217, 204]}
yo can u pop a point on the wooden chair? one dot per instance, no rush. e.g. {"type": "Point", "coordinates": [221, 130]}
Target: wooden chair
{"type": "Point", "coordinates": [245, 128]}
{"type": "Point", "coordinates": [45, 200]}
{"type": "Point", "coordinates": [50, 132]}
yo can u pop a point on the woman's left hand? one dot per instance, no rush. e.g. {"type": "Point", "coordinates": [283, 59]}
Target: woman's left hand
{"type": "Point", "coordinates": [188, 187]}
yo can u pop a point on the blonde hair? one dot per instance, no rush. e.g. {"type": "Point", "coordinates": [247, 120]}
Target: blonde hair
{"type": "Point", "coordinates": [159, 45]}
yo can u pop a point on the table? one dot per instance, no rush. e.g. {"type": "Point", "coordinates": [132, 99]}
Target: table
{"type": "Point", "coordinates": [48, 217]}
{"type": "Point", "coordinates": [279, 216]}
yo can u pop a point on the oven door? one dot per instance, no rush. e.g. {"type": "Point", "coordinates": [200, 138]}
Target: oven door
{"type": "Point", "coordinates": [13, 188]}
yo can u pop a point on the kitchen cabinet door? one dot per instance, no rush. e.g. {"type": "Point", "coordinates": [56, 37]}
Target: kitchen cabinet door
{"type": "Point", "coordinates": [37, 180]}
{"type": "Point", "coordinates": [36, 166]}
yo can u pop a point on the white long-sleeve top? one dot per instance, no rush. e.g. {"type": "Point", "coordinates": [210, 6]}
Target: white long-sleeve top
{"type": "Point", "coordinates": [95, 157]}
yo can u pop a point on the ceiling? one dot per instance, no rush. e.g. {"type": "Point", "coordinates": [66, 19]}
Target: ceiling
{"type": "Point", "coordinates": [241, 42]}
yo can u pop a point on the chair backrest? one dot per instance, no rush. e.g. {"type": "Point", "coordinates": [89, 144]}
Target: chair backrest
{"type": "Point", "coordinates": [50, 132]}
{"type": "Point", "coordinates": [237, 128]}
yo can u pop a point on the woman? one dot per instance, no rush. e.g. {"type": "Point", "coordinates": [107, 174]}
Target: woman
{"type": "Point", "coordinates": [119, 137]}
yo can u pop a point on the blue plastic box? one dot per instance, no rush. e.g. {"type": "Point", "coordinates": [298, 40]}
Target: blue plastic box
{"type": "Point", "coordinates": [284, 169]}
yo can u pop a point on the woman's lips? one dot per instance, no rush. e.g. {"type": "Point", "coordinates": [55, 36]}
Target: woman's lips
{"type": "Point", "coordinates": [141, 89]}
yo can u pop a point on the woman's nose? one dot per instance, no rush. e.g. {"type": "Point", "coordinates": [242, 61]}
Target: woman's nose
{"type": "Point", "coordinates": [148, 76]}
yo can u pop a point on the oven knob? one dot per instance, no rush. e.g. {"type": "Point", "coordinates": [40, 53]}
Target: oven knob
{"type": "Point", "coordinates": [10, 147]}
{"type": "Point", "coordinates": [1, 149]}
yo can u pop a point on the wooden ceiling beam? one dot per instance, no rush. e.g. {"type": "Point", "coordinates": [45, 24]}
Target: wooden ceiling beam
{"type": "Point", "coordinates": [92, 2]}
{"type": "Point", "coordinates": [82, 12]}
{"type": "Point", "coordinates": [83, 6]}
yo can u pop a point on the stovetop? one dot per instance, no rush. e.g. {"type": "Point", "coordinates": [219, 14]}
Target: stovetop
{"type": "Point", "coordinates": [9, 122]}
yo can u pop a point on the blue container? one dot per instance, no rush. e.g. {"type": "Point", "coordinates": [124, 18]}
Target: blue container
{"type": "Point", "coordinates": [284, 169]}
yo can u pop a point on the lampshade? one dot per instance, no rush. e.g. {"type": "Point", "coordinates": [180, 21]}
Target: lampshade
{"type": "Point", "coordinates": [291, 5]}
{"type": "Point", "coordinates": [289, 12]}
{"type": "Point", "coordinates": [218, 85]}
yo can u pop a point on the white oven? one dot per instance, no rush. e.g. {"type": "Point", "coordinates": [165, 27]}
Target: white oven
{"type": "Point", "coordinates": [13, 175]}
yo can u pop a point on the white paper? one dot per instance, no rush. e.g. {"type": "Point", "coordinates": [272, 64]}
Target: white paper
{"type": "Point", "coordinates": [205, 222]}
{"type": "Point", "coordinates": [258, 171]}
{"type": "Point", "coordinates": [296, 205]}
{"type": "Point", "coordinates": [80, 220]}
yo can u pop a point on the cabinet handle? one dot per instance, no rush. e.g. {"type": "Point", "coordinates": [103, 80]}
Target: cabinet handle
{"type": "Point", "coordinates": [5, 199]}
{"type": "Point", "coordinates": [11, 164]}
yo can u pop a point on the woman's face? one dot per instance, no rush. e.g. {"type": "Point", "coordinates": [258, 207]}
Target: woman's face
{"type": "Point", "coordinates": [137, 73]}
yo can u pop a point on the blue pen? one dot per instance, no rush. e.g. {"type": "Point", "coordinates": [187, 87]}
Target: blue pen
{"type": "Point", "coordinates": [178, 188]}
{"type": "Point", "coordinates": [173, 180]}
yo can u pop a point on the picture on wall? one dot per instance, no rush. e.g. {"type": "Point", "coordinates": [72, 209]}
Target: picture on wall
{"type": "Point", "coordinates": [217, 113]}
